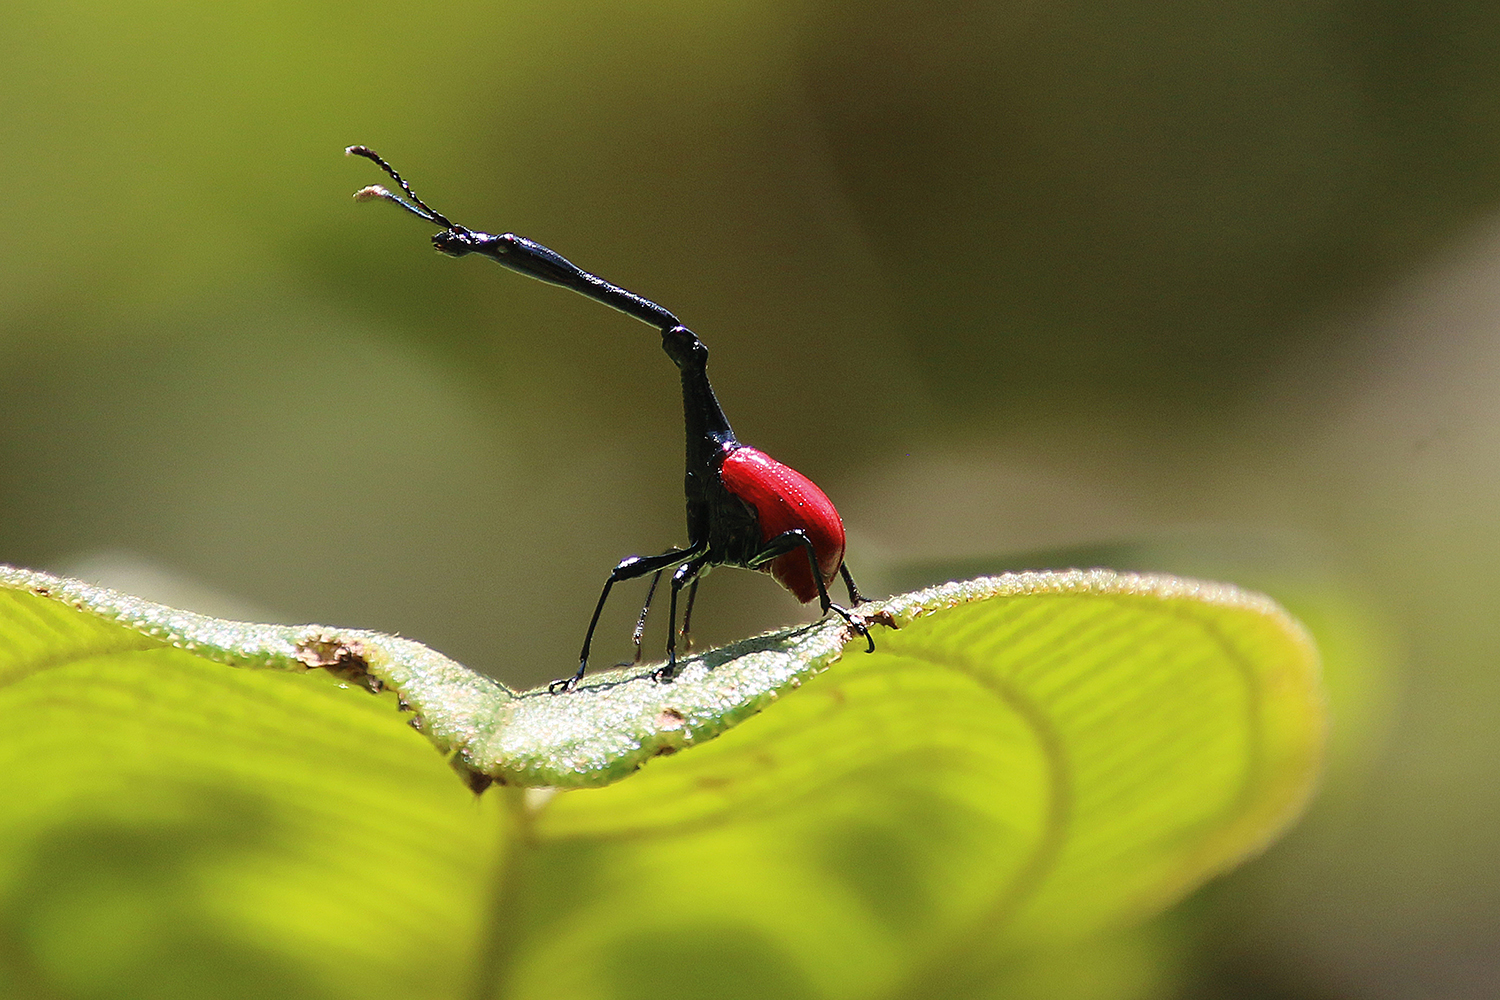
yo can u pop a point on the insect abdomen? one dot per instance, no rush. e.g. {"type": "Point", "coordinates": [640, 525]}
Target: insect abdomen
{"type": "Point", "coordinates": [784, 500]}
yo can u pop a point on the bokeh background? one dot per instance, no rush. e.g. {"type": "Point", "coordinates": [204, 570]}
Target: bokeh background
{"type": "Point", "coordinates": [1208, 287]}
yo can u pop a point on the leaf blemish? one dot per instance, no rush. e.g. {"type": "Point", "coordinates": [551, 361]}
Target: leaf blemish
{"type": "Point", "coordinates": [670, 718]}
{"type": "Point", "coordinates": [477, 781]}
{"type": "Point", "coordinates": [341, 659]}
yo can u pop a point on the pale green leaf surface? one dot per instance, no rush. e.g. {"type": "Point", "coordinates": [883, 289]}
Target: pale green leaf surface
{"type": "Point", "coordinates": [1025, 759]}
{"type": "Point", "coordinates": [1003, 773]}
{"type": "Point", "coordinates": [175, 828]}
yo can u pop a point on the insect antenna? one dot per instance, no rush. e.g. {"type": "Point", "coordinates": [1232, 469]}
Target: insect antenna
{"type": "Point", "coordinates": [416, 206]}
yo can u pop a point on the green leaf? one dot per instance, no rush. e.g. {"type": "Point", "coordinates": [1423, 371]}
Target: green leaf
{"type": "Point", "coordinates": [1025, 759]}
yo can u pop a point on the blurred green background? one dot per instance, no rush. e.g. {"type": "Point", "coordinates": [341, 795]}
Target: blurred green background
{"type": "Point", "coordinates": [1206, 286]}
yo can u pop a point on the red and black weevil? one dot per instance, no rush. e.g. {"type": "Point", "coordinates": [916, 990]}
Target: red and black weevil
{"type": "Point", "coordinates": [744, 508]}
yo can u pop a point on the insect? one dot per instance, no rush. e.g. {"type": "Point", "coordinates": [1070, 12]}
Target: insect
{"type": "Point", "coordinates": [744, 508]}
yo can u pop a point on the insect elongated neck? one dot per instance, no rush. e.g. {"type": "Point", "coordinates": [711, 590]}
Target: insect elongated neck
{"type": "Point", "coordinates": [708, 430]}
{"type": "Point", "coordinates": [530, 258]}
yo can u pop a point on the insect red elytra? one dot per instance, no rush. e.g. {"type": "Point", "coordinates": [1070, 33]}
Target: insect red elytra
{"type": "Point", "coordinates": [785, 500]}
{"type": "Point", "coordinates": [744, 508]}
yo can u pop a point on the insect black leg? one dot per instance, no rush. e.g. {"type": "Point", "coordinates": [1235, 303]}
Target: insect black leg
{"type": "Point", "coordinates": [687, 617]}
{"type": "Point", "coordinates": [686, 573]}
{"type": "Point", "coordinates": [629, 569]}
{"type": "Point", "coordinates": [855, 597]}
{"type": "Point", "coordinates": [640, 623]}
{"type": "Point", "coordinates": [790, 541]}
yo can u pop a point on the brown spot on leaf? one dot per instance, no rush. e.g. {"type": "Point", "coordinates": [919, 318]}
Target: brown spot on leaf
{"type": "Point", "coordinates": [885, 618]}
{"type": "Point", "coordinates": [476, 781]}
{"type": "Point", "coordinates": [343, 660]}
{"type": "Point", "coordinates": [670, 718]}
